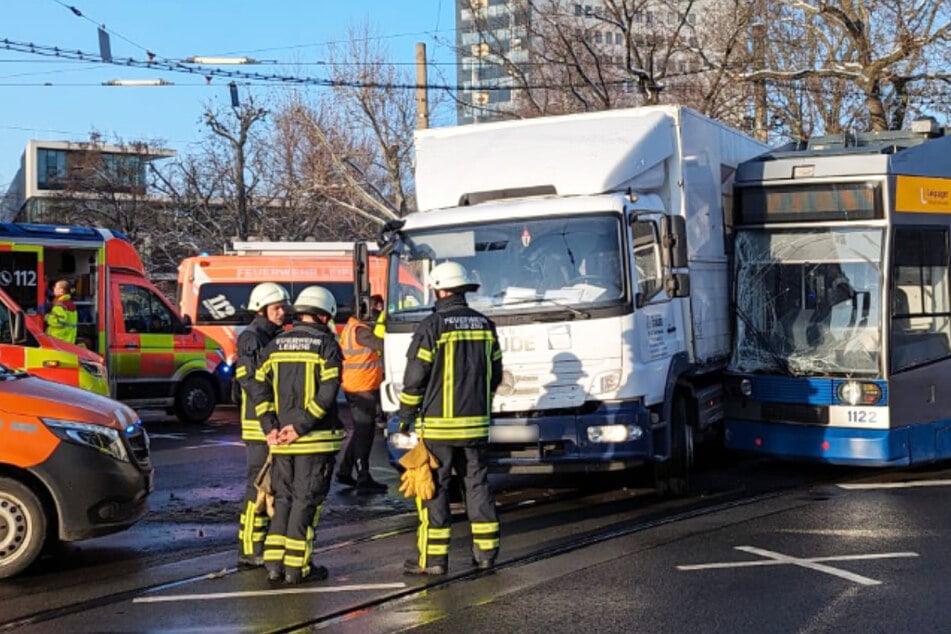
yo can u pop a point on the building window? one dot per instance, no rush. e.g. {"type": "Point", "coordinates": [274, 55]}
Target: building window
{"type": "Point", "coordinates": [618, 39]}
{"type": "Point", "coordinates": [578, 10]}
{"type": "Point", "coordinates": [50, 169]}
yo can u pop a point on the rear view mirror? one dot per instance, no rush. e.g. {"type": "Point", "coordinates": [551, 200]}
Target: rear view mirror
{"type": "Point", "coordinates": [673, 238]}
{"type": "Point", "coordinates": [361, 281]}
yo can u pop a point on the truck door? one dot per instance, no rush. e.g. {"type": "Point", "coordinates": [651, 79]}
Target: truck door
{"type": "Point", "coordinates": [150, 341]}
{"type": "Point", "coordinates": [659, 330]}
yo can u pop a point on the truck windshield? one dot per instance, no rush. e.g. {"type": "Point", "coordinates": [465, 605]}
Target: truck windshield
{"type": "Point", "coordinates": [808, 302]}
{"type": "Point", "coordinates": [541, 265]}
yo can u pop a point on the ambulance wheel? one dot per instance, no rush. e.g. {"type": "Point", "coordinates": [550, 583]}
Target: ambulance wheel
{"type": "Point", "coordinates": [195, 400]}
{"type": "Point", "coordinates": [22, 527]}
{"type": "Point", "coordinates": [672, 477]}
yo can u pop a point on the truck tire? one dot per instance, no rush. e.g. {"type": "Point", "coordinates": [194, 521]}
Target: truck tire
{"type": "Point", "coordinates": [672, 477]}
{"type": "Point", "coordinates": [23, 525]}
{"type": "Point", "coordinates": [195, 399]}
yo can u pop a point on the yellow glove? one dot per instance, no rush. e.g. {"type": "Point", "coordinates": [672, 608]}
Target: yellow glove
{"type": "Point", "coordinates": [417, 479]}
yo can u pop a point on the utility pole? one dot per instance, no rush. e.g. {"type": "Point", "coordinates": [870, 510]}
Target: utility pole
{"type": "Point", "coordinates": [758, 34]}
{"type": "Point", "coordinates": [422, 100]}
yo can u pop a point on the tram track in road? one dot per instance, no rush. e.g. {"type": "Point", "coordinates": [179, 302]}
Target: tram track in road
{"type": "Point", "coordinates": [571, 520]}
{"type": "Point", "coordinates": [403, 524]}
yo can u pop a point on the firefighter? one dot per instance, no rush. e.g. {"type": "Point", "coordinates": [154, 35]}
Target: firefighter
{"type": "Point", "coordinates": [62, 318]}
{"type": "Point", "coordinates": [362, 376]}
{"type": "Point", "coordinates": [454, 365]}
{"type": "Point", "coordinates": [297, 402]}
{"type": "Point", "coordinates": [268, 301]}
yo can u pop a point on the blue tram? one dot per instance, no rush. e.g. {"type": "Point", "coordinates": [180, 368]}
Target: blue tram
{"type": "Point", "coordinates": [842, 293]}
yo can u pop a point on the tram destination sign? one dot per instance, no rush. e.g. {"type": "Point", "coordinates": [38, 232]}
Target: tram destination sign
{"type": "Point", "coordinates": [812, 202]}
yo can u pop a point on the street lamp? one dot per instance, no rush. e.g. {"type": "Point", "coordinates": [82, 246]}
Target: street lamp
{"type": "Point", "coordinates": [137, 82]}
{"type": "Point", "coordinates": [219, 61]}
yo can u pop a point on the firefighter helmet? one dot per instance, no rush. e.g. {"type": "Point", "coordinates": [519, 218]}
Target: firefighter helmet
{"type": "Point", "coordinates": [265, 294]}
{"type": "Point", "coordinates": [451, 276]}
{"type": "Point", "coordinates": [315, 300]}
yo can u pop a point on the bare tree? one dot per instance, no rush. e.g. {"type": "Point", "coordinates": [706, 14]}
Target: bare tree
{"type": "Point", "coordinates": [842, 64]}
{"type": "Point", "coordinates": [234, 127]}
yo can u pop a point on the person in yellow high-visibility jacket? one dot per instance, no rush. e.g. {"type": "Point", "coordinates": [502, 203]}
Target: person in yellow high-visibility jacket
{"type": "Point", "coordinates": [62, 318]}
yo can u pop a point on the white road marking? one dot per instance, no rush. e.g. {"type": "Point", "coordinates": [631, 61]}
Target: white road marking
{"type": "Point", "coordinates": [895, 485]}
{"type": "Point", "coordinates": [172, 436]}
{"type": "Point", "coordinates": [813, 563]}
{"type": "Point", "coordinates": [268, 593]}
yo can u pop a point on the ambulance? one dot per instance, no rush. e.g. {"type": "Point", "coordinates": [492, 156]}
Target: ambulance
{"type": "Point", "coordinates": [23, 346]}
{"type": "Point", "coordinates": [213, 290]}
{"type": "Point", "coordinates": [154, 358]}
{"type": "Point", "coordinates": [73, 465]}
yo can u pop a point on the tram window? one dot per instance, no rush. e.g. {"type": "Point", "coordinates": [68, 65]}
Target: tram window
{"type": "Point", "coordinates": [920, 298]}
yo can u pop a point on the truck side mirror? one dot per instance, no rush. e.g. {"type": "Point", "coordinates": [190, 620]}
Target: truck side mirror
{"type": "Point", "coordinates": [673, 238]}
{"type": "Point", "coordinates": [18, 328]}
{"type": "Point", "coordinates": [361, 281]}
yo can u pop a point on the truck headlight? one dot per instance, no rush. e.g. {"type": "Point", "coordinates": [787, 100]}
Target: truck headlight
{"type": "Point", "coordinates": [103, 439]}
{"type": "Point", "coordinates": [614, 433]}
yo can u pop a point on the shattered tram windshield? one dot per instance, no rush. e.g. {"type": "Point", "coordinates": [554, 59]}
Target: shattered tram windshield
{"type": "Point", "coordinates": [530, 265]}
{"type": "Point", "coordinates": [808, 302]}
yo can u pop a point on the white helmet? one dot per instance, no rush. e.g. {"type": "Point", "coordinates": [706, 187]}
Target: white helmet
{"type": "Point", "coordinates": [265, 294]}
{"type": "Point", "coordinates": [315, 299]}
{"type": "Point", "coordinates": [451, 276]}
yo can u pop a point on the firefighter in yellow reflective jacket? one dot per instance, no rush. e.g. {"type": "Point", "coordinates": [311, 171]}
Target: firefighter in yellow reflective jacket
{"type": "Point", "coordinates": [62, 318]}
{"type": "Point", "coordinates": [454, 365]}
{"type": "Point", "coordinates": [268, 302]}
{"type": "Point", "coordinates": [296, 400]}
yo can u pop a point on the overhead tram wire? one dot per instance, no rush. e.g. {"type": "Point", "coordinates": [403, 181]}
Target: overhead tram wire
{"type": "Point", "coordinates": [269, 79]}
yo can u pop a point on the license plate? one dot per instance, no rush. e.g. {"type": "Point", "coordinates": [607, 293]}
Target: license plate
{"type": "Point", "coordinates": [513, 433]}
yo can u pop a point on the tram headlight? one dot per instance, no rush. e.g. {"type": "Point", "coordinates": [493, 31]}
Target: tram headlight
{"type": "Point", "coordinates": [859, 393]}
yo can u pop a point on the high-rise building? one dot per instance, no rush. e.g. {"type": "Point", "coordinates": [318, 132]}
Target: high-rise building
{"type": "Point", "coordinates": [504, 46]}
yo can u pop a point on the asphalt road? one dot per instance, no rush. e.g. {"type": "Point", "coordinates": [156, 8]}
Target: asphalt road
{"type": "Point", "coordinates": [758, 547]}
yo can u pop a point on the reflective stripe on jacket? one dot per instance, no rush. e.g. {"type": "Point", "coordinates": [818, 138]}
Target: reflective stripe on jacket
{"type": "Point", "coordinates": [454, 365]}
{"type": "Point", "coordinates": [297, 385]}
{"type": "Point", "coordinates": [250, 348]}
{"type": "Point", "coordinates": [362, 366]}
{"type": "Point", "coordinates": [62, 320]}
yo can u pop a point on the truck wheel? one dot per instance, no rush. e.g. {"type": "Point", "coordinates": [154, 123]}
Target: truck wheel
{"type": "Point", "coordinates": [195, 400]}
{"type": "Point", "coordinates": [22, 527]}
{"type": "Point", "coordinates": [672, 477]}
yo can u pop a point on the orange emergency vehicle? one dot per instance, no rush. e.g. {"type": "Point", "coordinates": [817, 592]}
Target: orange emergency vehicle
{"type": "Point", "coordinates": [73, 465]}
{"type": "Point", "coordinates": [23, 346]}
{"type": "Point", "coordinates": [213, 290]}
{"type": "Point", "coordinates": [154, 357]}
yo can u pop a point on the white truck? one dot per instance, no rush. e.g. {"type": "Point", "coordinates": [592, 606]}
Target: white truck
{"type": "Point", "coordinates": [600, 244]}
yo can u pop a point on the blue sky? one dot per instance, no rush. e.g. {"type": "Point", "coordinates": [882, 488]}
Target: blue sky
{"type": "Point", "coordinates": [75, 104]}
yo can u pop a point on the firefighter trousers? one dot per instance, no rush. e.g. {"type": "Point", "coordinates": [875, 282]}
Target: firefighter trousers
{"type": "Point", "coordinates": [252, 526]}
{"type": "Point", "coordinates": [432, 536]}
{"type": "Point", "coordinates": [300, 484]}
{"type": "Point", "coordinates": [357, 454]}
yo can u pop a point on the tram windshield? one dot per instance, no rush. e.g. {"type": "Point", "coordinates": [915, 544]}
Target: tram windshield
{"type": "Point", "coordinates": [569, 265]}
{"type": "Point", "coordinates": [808, 301]}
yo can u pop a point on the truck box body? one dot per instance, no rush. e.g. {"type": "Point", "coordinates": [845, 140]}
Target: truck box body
{"type": "Point", "coordinates": [668, 151]}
